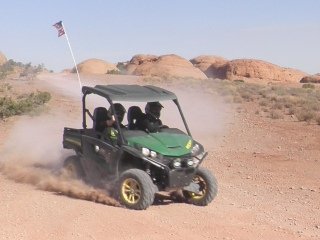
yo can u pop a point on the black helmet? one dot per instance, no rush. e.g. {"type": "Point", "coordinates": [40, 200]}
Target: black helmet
{"type": "Point", "coordinates": [154, 109]}
{"type": "Point", "coordinates": [119, 111]}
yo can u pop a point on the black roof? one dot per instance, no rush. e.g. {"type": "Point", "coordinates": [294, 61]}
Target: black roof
{"type": "Point", "coordinates": [135, 93]}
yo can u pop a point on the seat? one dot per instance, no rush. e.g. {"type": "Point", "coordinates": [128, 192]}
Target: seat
{"type": "Point", "coordinates": [134, 115]}
{"type": "Point", "coordinates": [100, 116]}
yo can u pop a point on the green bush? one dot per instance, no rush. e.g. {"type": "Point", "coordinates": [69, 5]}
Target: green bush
{"type": "Point", "coordinates": [113, 71]}
{"type": "Point", "coordinates": [25, 69]}
{"type": "Point", "coordinates": [23, 103]}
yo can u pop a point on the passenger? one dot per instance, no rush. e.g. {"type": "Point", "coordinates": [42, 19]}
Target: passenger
{"type": "Point", "coordinates": [112, 128]}
{"type": "Point", "coordinates": [151, 122]}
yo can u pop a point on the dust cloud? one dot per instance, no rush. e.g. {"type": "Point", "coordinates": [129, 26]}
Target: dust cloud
{"type": "Point", "coordinates": [207, 116]}
{"type": "Point", "coordinates": [33, 154]}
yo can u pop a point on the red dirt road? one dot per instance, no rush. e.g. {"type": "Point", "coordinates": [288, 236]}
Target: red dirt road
{"type": "Point", "coordinates": [268, 174]}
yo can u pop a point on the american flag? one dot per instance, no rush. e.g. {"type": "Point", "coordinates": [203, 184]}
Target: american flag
{"type": "Point", "coordinates": [60, 29]}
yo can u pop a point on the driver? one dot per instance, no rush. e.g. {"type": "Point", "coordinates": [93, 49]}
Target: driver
{"type": "Point", "coordinates": [151, 122]}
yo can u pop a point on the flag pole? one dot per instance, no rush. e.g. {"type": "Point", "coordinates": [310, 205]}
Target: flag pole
{"type": "Point", "coordinates": [74, 61]}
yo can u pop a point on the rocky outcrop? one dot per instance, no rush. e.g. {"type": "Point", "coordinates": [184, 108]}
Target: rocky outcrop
{"type": "Point", "coordinates": [243, 69]}
{"type": "Point", "coordinates": [208, 64]}
{"type": "Point", "coordinates": [3, 58]}
{"type": "Point", "coordinates": [95, 66]}
{"type": "Point", "coordinates": [164, 66]}
{"type": "Point", "coordinates": [311, 79]}
{"type": "Point", "coordinates": [137, 60]}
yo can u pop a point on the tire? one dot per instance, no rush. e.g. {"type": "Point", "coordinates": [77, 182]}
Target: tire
{"type": "Point", "coordinates": [72, 167]}
{"type": "Point", "coordinates": [135, 189]}
{"type": "Point", "coordinates": [208, 188]}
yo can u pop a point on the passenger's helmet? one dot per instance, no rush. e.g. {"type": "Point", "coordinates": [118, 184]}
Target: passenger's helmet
{"type": "Point", "coordinates": [154, 109]}
{"type": "Point", "coordinates": [119, 111]}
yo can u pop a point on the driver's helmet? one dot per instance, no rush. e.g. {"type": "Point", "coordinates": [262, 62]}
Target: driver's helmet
{"type": "Point", "coordinates": [154, 109]}
{"type": "Point", "coordinates": [119, 111]}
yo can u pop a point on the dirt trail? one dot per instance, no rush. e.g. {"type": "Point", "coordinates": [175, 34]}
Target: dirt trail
{"type": "Point", "coordinates": [268, 173]}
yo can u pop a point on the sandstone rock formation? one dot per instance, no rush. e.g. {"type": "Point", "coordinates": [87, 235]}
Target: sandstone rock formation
{"type": "Point", "coordinates": [3, 58]}
{"type": "Point", "coordinates": [243, 69]}
{"type": "Point", "coordinates": [311, 79]}
{"type": "Point", "coordinates": [164, 66]}
{"type": "Point", "coordinates": [208, 64]}
{"type": "Point", "coordinates": [95, 66]}
{"type": "Point", "coordinates": [139, 59]}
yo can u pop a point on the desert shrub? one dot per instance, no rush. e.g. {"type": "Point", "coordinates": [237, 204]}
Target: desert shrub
{"type": "Point", "coordinates": [113, 71]}
{"type": "Point", "coordinates": [237, 99]}
{"type": "Point", "coordinates": [308, 85]}
{"type": "Point", "coordinates": [276, 114]}
{"type": "Point", "coordinates": [24, 69]}
{"type": "Point", "coordinates": [278, 105]}
{"type": "Point", "coordinates": [238, 81]}
{"type": "Point", "coordinates": [246, 96]}
{"type": "Point", "coordinates": [5, 87]}
{"type": "Point", "coordinates": [304, 115]}
{"type": "Point", "coordinates": [122, 67]}
{"type": "Point", "coordinates": [23, 103]}
{"type": "Point", "coordinates": [291, 111]}
{"type": "Point", "coordinates": [264, 103]}
{"type": "Point", "coordinates": [6, 69]}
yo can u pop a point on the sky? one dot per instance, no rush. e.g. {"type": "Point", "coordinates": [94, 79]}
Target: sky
{"type": "Point", "coordinates": [283, 32]}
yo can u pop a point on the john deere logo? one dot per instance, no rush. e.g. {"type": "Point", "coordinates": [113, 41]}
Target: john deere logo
{"type": "Point", "coordinates": [189, 144]}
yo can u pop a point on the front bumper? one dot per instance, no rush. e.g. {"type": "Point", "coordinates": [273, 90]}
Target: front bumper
{"type": "Point", "coordinates": [180, 177]}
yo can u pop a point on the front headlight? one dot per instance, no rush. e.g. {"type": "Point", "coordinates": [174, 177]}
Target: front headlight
{"type": "Point", "coordinates": [149, 153]}
{"type": "Point", "coordinates": [153, 154]}
{"type": "Point", "coordinates": [177, 163]}
{"type": "Point", "coordinates": [145, 152]}
{"type": "Point", "coordinates": [190, 163]}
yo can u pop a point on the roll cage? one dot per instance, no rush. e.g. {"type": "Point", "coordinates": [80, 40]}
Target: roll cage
{"type": "Point", "coordinates": [128, 93]}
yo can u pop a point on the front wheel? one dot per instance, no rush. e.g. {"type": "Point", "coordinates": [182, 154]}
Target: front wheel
{"type": "Point", "coordinates": [208, 188]}
{"type": "Point", "coordinates": [136, 189]}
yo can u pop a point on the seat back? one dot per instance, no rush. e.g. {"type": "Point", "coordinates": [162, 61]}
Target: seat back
{"type": "Point", "coordinates": [134, 115]}
{"type": "Point", "coordinates": [100, 116]}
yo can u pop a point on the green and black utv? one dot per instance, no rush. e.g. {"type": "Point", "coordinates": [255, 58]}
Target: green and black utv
{"type": "Point", "coordinates": [141, 164]}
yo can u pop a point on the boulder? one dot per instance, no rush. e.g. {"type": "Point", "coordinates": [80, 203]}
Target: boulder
{"type": "Point", "coordinates": [208, 64]}
{"type": "Point", "coordinates": [256, 69]}
{"type": "Point", "coordinates": [95, 66]}
{"type": "Point", "coordinates": [164, 66]}
{"type": "Point", "coordinates": [3, 58]}
{"type": "Point", "coordinates": [311, 79]}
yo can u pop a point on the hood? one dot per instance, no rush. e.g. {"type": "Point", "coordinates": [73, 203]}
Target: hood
{"type": "Point", "coordinates": [167, 144]}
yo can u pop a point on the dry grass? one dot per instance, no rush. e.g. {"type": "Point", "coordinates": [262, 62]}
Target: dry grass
{"type": "Point", "coordinates": [277, 101]}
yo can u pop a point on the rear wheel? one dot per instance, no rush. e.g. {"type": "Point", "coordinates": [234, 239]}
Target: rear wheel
{"type": "Point", "coordinates": [136, 189]}
{"type": "Point", "coordinates": [73, 168]}
{"type": "Point", "coordinates": [208, 188]}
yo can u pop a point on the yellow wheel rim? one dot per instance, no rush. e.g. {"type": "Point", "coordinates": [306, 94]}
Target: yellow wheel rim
{"type": "Point", "coordinates": [203, 188]}
{"type": "Point", "coordinates": [131, 191]}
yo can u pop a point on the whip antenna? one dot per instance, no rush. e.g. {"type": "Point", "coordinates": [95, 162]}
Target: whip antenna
{"type": "Point", "coordinates": [62, 31]}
